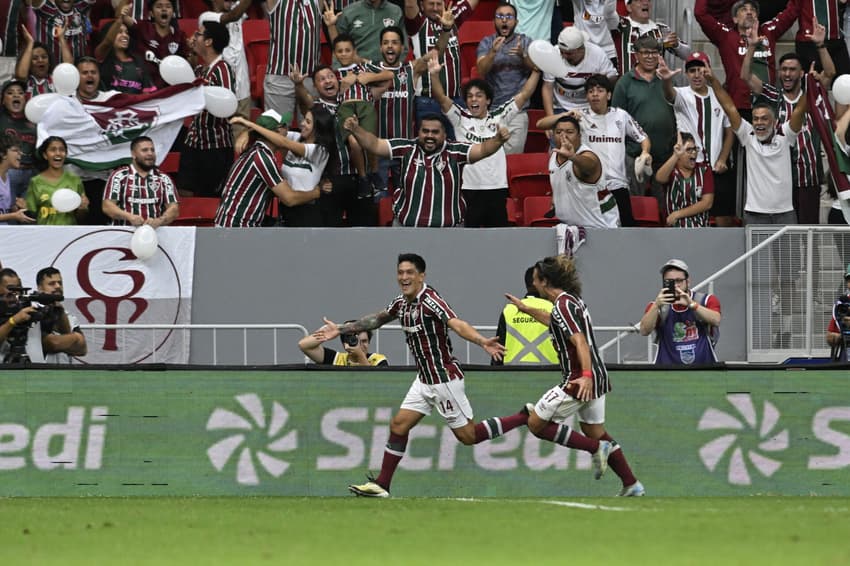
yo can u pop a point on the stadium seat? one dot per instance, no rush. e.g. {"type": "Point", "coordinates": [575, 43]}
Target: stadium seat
{"type": "Point", "coordinates": [485, 11]}
{"type": "Point", "coordinates": [255, 36]}
{"type": "Point", "coordinates": [385, 211]}
{"type": "Point", "coordinates": [645, 211]}
{"type": "Point", "coordinates": [536, 141]}
{"type": "Point", "coordinates": [514, 211]}
{"type": "Point", "coordinates": [325, 51]}
{"type": "Point", "coordinates": [197, 211]}
{"type": "Point", "coordinates": [193, 9]}
{"type": "Point", "coordinates": [469, 35]}
{"type": "Point", "coordinates": [528, 175]}
{"type": "Point", "coordinates": [171, 163]}
{"type": "Point", "coordinates": [188, 25]}
{"type": "Point", "coordinates": [534, 210]}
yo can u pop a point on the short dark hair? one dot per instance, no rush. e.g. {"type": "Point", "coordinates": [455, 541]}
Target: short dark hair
{"type": "Point", "coordinates": [741, 3]}
{"type": "Point", "coordinates": [504, 4]}
{"type": "Point", "coordinates": [320, 68]}
{"type": "Point", "coordinates": [342, 38]}
{"type": "Point", "coordinates": [647, 41]}
{"type": "Point", "coordinates": [87, 59]}
{"type": "Point", "coordinates": [529, 281]}
{"type": "Point", "coordinates": [791, 56]}
{"type": "Point", "coordinates": [417, 260]}
{"type": "Point", "coordinates": [7, 142]}
{"type": "Point", "coordinates": [217, 32]}
{"type": "Point", "coordinates": [431, 118]}
{"type": "Point", "coordinates": [686, 137]}
{"type": "Point", "coordinates": [45, 272]}
{"type": "Point", "coordinates": [138, 140]}
{"type": "Point", "coordinates": [598, 80]}
{"type": "Point", "coordinates": [392, 29]}
{"type": "Point", "coordinates": [568, 118]}
{"type": "Point", "coordinates": [481, 85]}
{"type": "Point", "coordinates": [763, 104]}
{"type": "Point", "coordinates": [8, 272]}
{"type": "Point", "coordinates": [342, 336]}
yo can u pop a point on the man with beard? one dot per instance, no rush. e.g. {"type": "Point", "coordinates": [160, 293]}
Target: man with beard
{"type": "Point", "coordinates": [806, 167]}
{"type": "Point", "coordinates": [139, 193]}
{"type": "Point", "coordinates": [503, 62]}
{"type": "Point", "coordinates": [72, 15]}
{"type": "Point", "coordinates": [768, 156]}
{"type": "Point", "coordinates": [429, 194]}
{"type": "Point", "coordinates": [638, 24]}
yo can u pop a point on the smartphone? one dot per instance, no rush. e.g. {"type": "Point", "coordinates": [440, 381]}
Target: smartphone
{"type": "Point", "coordinates": [670, 287]}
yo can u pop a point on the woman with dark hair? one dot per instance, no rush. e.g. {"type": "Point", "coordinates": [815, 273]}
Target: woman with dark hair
{"type": "Point", "coordinates": [51, 162]}
{"type": "Point", "coordinates": [35, 64]}
{"type": "Point", "coordinates": [306, 156]}
{"type": "Point", "coordinates": [121, 69]}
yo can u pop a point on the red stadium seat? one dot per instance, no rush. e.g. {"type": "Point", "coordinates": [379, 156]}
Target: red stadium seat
{"type": "Point", "coordinates": [197, 211]}
{"type": "Point", "coordinates": [385, 211]}
{"type": "Point", "coordinates": [528, 175]}
{"type": "Point", "coordinates": [514, 210]}
{"type": "Point", "coordinates": [193, 8]}
{"type": "Point", "coordinates": [188, 25]}
{"type": "Point", "coordinates": [171, 163]}
{"type": "Point", "coordinates": [485, 11]}
{"type": "Point", "coordinates": [535, 114]}
{"type": "Point", "coordinates": [469, 35]}
{"type": "Point", "coordinates": [534, 210]}
{"type": "Point", "coordinates": [255, 36]}
{"type": "Point", "coordinates": [536, 141]}
{"type": "Point", "coordinates": [645, 211]}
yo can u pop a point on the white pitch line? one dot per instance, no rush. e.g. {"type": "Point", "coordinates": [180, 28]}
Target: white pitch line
{"type": "Point", "coordinates": [585, 505]}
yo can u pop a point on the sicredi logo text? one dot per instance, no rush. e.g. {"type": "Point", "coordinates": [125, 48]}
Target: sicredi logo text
{"type": "Point", "coordinates": [76, 443]}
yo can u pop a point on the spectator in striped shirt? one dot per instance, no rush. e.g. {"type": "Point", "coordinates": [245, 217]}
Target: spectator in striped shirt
{"type": "Point", "coordinates": [826, 13]}
{"type": "Point", "coordinates": [10, 25]}
{"type": "Point", "coordinates": [429, 195]}
{"type": "Point", "coordinates": [35, 64]}
{"type": "Point", "coordinates": [426, 319]}
{"type": "Point", "coordinates": [208, 152]}
{"type": "Point", "coordinates": [139, 193]}
{"type": "Point", "coordinates": [71, 15]}
{"type": "Point", "coordinates": [689, 186]}
{"type": "Point", "coordinates": [584, 378]}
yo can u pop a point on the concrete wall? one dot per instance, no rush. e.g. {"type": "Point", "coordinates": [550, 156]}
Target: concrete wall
{"type": "Point", "coordinates": [299, 275]}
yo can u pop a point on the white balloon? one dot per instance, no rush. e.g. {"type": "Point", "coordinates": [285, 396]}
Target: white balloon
{"type": "Point", "coordinates": [38, 105]}
{"type": "Point", "coordinates": [841, 89]}
{"type": "Point", "coordinates": [220, 101]}
{"type": "Point", "coordinates": [175, 70]}
{"type": "Point", "coordinates": [66, 79]}
{"type": "Point", "coordinates": [547, 57]}
{"type": "Point", "coordinates": [65, 200]}
{"type": "Point", "coordinates": [144, 243]}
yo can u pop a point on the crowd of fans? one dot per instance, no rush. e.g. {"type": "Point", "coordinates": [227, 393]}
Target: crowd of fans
{"type": "Point", "coordinates": [396, 114]}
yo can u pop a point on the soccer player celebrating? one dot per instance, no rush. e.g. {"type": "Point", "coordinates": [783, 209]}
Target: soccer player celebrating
{"type": "Point", "coordinates": [426, 319]}
{"type": "Point", "coordinates": [585, 380]}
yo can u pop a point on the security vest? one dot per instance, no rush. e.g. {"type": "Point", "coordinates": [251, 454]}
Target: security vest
{"type": "Point", "coordinates": [526, 340]}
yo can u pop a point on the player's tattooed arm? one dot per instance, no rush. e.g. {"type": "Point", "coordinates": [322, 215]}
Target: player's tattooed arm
{"type": "Point", "coordinates": [368, 322]}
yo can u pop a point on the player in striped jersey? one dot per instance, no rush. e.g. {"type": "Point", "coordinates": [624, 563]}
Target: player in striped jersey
{"type": "Point", "coordinates": [827, 13]}
{"type": "Point", "coordinates": [208, 151]}
{"type": "Point", "coordinates": [70, 14]}
{"type": "Point", "coordinates": [584, 382]}
{"type": "Point", "coordinates": [425, 20]}
{"type": "Point", "coordinates": [254, 180]}
{"type": "Point", "coordinates": [35, 66]}
{"type": "Point", "coordinates": [690, 185]}
{"type": "Point", "coordinates": [806, 168]}
{"type": "Point", "coordinates": [295, 27]}
{"type": "Point", "coordinates": [638, 24]}
{"type": "Point", "coordinates": [429, 196]}
{"type": "Point", "coordinates": [139, 193]}
{"type": "Point", "coordinates": [426, 319]}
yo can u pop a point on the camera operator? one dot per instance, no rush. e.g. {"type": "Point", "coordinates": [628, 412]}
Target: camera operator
{"type": "Point", "coordinates": [61, 337]}
{"type": "Point", "coordinates": [685, 322]}
{"type": "Point", "coordinates": [15, 318]}
{"type": "Point", "coordinates": [356, 350]}
{"type": "Point", "coordinates": [838, 331]}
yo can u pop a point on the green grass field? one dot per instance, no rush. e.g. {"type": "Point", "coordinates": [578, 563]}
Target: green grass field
{"type": "Point", "coordinates": [610, 531]}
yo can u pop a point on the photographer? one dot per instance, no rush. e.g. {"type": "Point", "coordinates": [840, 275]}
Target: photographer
{"type": "Point", "coordinates": [839, 327]}
{"type": "Point", "coordinates": [15, 318]}
{"type": "Point", "coordinates": [685, 322]}
{"type": "Point", "coordinates": [61, 337]}
{"type": "Point", "coordinates": [356, 350]}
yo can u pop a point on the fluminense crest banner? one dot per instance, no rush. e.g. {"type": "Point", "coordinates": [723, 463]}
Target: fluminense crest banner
{"type": "Point", "coordinates": [104, 283]}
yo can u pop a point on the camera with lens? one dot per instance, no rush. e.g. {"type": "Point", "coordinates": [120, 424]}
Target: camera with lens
{"type": "Point", "coordinates": [44, 310]}
{"type": "Point", "coordinates": [841, 311]}
{"type": "Point", "coordinates": [350, 340]}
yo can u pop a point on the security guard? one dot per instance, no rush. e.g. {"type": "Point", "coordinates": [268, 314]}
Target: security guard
{"type": "Point", "coordinates": [526, 341]}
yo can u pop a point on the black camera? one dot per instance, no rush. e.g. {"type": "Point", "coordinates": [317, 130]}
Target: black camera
{"type": "Point", "coordinates": [350, 340]}
{"type": "Point", "coordinates": [670, 287]}
{"type": "Point", "coordinates": [17, 339]}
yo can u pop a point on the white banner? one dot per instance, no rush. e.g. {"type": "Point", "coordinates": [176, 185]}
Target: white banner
{"type": "Point", "coordinates": [104, 283]}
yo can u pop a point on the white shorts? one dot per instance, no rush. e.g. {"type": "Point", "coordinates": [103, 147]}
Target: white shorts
{"type": "Point", "coordinates": [556, 406]}
{"type": "Point", "coordinates": [448, 398]}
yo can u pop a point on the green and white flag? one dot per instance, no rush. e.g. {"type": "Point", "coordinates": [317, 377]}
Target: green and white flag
{"type": "Point", "coordinates": [99, 133]}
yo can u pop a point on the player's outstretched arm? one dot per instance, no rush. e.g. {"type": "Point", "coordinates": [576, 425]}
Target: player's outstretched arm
{"type": "Point", "coordinates": [540, 315]}
{"type": "Point", "coordinates": [468, 333]}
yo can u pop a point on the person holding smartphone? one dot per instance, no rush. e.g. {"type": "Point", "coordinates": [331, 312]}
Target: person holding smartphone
{"type": "Point", "coordinates": [686, 323]}
{"type": "Point", "coordinates": [356, 350]}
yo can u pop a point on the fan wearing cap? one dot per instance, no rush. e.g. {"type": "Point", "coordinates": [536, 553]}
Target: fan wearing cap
{"type": "Point", "coordinates": [638, 24]}
{"type": "Point", "coordinates": [254, 179]}
{"type": "Point", "coordinates": [685, 322]}
{"type": "Point", "coordinates": [731, 42]}
{"type": "Point", "coordinates": [807, 169]}
{"type": "Point", "coordinates": [582, 60]}
{"type": "Point", "coordinates": [596, 18]}
{"type": "Point", "coordinates": [840, 319]}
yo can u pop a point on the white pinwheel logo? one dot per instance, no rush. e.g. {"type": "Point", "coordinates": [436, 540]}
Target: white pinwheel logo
{"type": "Point", "coordinates": [747, 422]}
{"type": "Point", "coordinates": [255, 418]}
